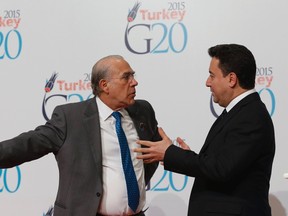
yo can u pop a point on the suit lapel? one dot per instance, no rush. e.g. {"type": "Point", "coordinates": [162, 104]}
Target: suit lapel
{"type": "Point", "coordinates": [215, 129]}
{"type": "Point", "coordinates": [219, 124]}
{"type": "Point", "coordinates": [139, 121]}
{"type": "Point", "coordinates": [92, 126]}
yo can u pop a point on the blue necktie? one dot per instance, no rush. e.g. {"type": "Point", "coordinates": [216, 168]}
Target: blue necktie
{"type": "Point", "coordinates": [130, 177]}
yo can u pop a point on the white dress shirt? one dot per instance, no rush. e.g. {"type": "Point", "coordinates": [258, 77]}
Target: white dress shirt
{"type": "Point", "coordinates": [239, 98]}
{"type": "Point", "coordinates": [114, 198]}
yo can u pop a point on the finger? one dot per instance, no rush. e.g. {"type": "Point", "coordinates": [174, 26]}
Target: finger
{"type": "Point", "coordinates": [180, 141]}
{"type": "Point", "coordinates": [142, 150]}
{"type": "Point", "coordinates": [144, 157]}
{"type": "Point", "coordinates": [144, 143]}
{"type": "Point", "coordinates": [162, 133]}
{"type": "Point", "coordinates": [182, 144]}
{"type": "Point", "coordinates": [149, 161]}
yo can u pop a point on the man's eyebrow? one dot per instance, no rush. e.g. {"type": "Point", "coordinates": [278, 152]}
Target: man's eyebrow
{"type": "Point", "coordinates": [129, 72]}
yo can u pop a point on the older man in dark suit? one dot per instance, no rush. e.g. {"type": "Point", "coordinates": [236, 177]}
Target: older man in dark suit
{"type": "Point", "coordinates": [233, 169]}
{"type": "Point", "coordinates": [82, 136]}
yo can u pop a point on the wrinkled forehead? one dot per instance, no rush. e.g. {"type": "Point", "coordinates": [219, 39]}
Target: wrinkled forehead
{"type": "Point", "coordinates": [119, 67]}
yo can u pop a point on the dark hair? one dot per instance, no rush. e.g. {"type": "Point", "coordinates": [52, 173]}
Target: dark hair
{"type": "Point", "coordinates": [238, 59]}
{"type": "Point", "coordinates": [101, 70]}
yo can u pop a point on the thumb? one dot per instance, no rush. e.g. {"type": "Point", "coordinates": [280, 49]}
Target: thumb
{"type": "Point", "coordinates": [182, 144]}
{"type": "Point", "coordinates": [163, 134]}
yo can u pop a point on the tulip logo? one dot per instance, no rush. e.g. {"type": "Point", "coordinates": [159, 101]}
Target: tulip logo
{"type": "Point", "coordinates": [132, 13]}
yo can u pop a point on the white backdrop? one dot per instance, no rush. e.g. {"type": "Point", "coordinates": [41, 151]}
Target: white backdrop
{"type": "Point", "coordinates": [166, 44]}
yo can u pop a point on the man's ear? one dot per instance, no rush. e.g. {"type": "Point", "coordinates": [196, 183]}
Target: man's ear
{"type": "Point", "coordinates": [233, 80]}
{"type": "Point", "coordinates": [103, 84]}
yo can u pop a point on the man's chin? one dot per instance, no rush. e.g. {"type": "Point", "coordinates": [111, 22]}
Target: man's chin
{"type": "Point", "coordinates": [215, 100]}
{"type": "Point", "coordinates": [128, 103]}
{"type": "Point", "coordinates": [132, 101]}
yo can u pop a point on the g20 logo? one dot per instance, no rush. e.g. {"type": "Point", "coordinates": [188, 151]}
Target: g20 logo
{"type": "Point", "coordinates": [67, 98]}
{"type": "Point", "coordinates": [7, 183]}
{"type": "Point", "coordinates": [270, 100]}
{"type": "Point", "coordinates": [161, 185]}
{"type": "Point", "coordinates": [10, 45]}
{"type": "Point", "coordinates": [167, 36]}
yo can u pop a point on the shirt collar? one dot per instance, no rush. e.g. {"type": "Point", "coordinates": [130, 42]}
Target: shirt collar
{"type": "Point", "coordinates": [105, 111]}
{"type": "Point", "coordinates": [239, 98]}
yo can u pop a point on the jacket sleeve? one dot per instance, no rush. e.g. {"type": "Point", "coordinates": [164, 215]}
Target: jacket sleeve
{"type": "Point", "coordinates": [245, 141]}
{"type": "Point", "coordinates": [34, 144]}
{"type": "Point", "coordinates": [150, 169]}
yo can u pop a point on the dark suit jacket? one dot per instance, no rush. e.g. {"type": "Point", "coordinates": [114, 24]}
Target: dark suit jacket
{"type": "Point", "coordinates": [233, 169]}
{"type": "Point", "coordinates": [73, 135]}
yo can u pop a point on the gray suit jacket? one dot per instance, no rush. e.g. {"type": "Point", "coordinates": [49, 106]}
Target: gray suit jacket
{"type": "Point", "coordinates": [73, 135]}
{"type": "Point", "coordinates": [233, 169]}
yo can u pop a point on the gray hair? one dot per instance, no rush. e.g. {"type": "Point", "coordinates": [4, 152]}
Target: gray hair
{"type": "Point", "coordinates": [101, 70]}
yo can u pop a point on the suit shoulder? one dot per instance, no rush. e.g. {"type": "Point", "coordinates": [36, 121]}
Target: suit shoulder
{"type": "Point", "coordinates": [74, 105]}
{"type": "Point", "coordinates": [141, 102]}
{"type": "Point", "coordinates": [140, 106]}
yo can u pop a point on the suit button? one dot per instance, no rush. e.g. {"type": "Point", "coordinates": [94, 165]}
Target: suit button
{"type": "Point", "coordinates": [98, 194]}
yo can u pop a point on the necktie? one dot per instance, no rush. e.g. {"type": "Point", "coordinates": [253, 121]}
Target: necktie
{"type": "Point", "coordinates": [130, 177]}
{"type": "Point", "coordinates": [223, 113]}
{"type": "Point", "coordinates": [220, 117]}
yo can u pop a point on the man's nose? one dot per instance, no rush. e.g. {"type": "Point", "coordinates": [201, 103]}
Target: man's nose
{"type": "Point", "coordinates": [134, 82]}
{"type": "Point", "coordinates": [208, 83]}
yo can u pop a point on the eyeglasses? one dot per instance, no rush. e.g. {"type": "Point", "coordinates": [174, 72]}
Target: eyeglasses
{"type": "Point", "coordinates": [127, 76]}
